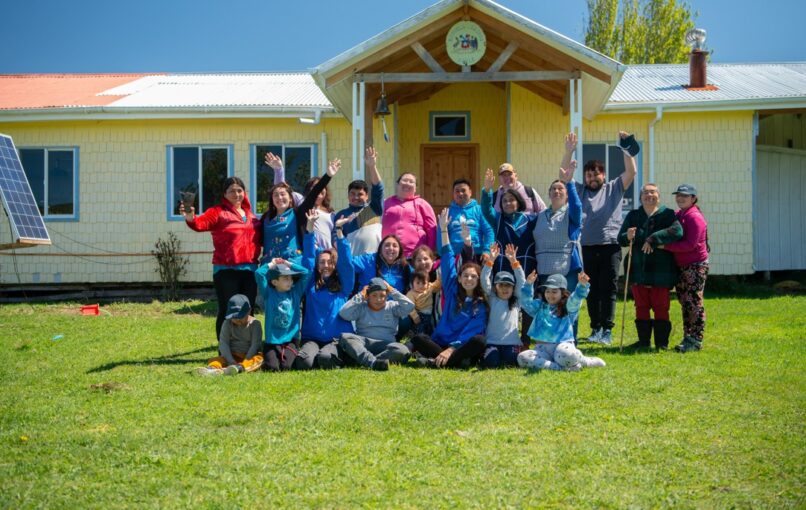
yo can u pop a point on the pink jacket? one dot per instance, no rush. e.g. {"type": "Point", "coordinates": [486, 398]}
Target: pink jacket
{"type": "Point", "coordinates": [692, 247]}
{"type": "Point", "coordinates": [412, 221]}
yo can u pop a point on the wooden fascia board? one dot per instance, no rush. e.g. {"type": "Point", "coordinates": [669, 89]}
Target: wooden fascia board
{"type": "Point", "coordinates": [467, 77]}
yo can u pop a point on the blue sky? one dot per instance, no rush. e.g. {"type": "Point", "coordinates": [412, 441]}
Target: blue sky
{"type": "Point", "coordinates": [86, 36]}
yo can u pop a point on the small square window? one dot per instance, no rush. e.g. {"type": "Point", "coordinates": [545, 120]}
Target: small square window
{"type": "Point", "coordinates": [449, 126]}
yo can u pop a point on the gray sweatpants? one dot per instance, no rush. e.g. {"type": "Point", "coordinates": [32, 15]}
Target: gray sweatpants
{"type": "Point", "coordinates": [312, 353]}
{"type": "Point", "coordinates": [366, 350]}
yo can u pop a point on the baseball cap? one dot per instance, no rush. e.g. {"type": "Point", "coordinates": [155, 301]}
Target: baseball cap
{"type": "Point", "coordinates": [556, 281]}
{"type": "Point", "coordinates": [376, 284]}
{"type": "Point", "coordinates": [504, 277]}
{"type": "Point", "coordinates": [238, 307]}
{"type": "Point", "coordinates": [281, 270]}
{"type": "Point", "coordinates": [685, 189]}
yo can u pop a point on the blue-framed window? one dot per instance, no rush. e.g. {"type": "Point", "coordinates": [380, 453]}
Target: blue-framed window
{"type": "Point", "coordinates": [613, 158]}
{"type": "Point", "coordinates": [449, 126]}
{"type": "Point", "coordinates": [200, 169]}
{"type": "Point", "coordinates": [52, 173]}
{"type": "Point", "coordinates": [299, 161]}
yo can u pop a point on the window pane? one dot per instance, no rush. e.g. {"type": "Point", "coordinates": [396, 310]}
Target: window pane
{"type": "Point", "coordinates": [33, 163]}
{"type": "Point", "coordinates": [186, 174]}
{"type": "Point", "coordinates": [297, 167]}
{"type": "Point", "coordinates": [214, 172]}
{"type": "Point", "coordinates": [594, 151]}
{"type": "Point", "coordinates": [60, 182]}
{"type": "Point", "coordinates": [264, 175]}
{"type": "Point", "coordinates": [450, 126]}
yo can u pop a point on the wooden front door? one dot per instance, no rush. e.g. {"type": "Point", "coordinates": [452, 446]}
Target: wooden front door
{"type": "Point", "coordinates": [443, 164]}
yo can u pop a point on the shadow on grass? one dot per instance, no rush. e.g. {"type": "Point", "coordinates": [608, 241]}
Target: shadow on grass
{"type": "Point", "coordinates": [171, 359]}
{"type": "Point", "coordinates": [205, 308]}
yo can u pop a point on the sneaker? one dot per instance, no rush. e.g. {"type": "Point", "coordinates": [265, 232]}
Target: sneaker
{"type": "Point", "coordinates": [574, 368]}
{"type": "Point", "coordinates": [595, 336]}
{"type": "Point", "coordinates": [207, 371]}
{"type": "Point", "coordinates": [233, 370]}
{"type": "Point", "coordinates": [380, 365]}
{"type": "Point", "coordinates": [606, 338]}
{"type": "Point", "coordinates": [426, 362]}
{"type": "Point", "coordinates": [689, 344]}
{"type": "Point", "coordinates": [593, 362]}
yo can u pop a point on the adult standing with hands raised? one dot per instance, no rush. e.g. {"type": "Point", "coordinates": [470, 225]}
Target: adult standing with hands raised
{"type": "Point", "coordinates": [366, 208]}
{"type": "Point", "coordinates": [236, 244]}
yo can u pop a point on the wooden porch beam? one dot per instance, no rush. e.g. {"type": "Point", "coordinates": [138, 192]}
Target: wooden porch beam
{"type": "Point", "coordinates": [426, 57]}
{"type": "Point", "coordinates": [503, 57]}
{"type": "Point", "coordinates": [467, 77]}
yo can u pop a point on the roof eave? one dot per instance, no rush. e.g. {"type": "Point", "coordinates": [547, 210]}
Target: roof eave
{"type": "Point", "coordinates": [707, 106]}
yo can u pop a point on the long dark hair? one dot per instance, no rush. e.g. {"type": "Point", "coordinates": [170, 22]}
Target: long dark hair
{"type": "Point", "coordinates": [333, 284]}
{"type": "Point", "coordinates": [399, 261]}
{"type": "Point", "coordinates": [518, 198]}
{"type": "Point", "coordinates": [562, 311]}
{"type": "Point", "coordinates": [325, 201]}
{"type": "Point", "coordinates": [478, 293]}
{"type": "Point", "coordinates": [271, 212]}
{"type": "Point", "coordinates": [229, 181]}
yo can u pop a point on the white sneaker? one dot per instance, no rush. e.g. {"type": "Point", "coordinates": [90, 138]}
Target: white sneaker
{"type": "Point", "coordinates": [595, 336]}
{"type": "Point", "coordinates": [593, 362]}
{"type": "Point", "coordinates": [606, 337]}
{"type": "Point", "coordinates": [574, 368]}
{"type": "Point", "coordinates": [207, 371]}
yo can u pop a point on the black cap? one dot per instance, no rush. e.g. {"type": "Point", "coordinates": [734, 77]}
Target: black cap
{"type": "Point", "coordinates": [504, 277]}
{"type": "Point", "coordinates": [238, 307]}
{"type": "Point", "coordinates": [376, 284]}
{"type": "Point", "coordinates": [685, 189]}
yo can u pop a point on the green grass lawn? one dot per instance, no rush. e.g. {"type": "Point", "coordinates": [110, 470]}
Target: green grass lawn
{"type": "Point", "coordinates": [109, 416]}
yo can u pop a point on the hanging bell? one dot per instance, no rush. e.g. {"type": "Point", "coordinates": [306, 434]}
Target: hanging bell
{"type": "Point", "coordinates": [383, 107]}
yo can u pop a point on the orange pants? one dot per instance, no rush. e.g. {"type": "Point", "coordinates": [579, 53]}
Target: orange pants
{"type": "Point", "coordinates": [252, 364]}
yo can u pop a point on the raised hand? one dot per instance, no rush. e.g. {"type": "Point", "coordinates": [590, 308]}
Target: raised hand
{"type": "Point", "coordinates": [370, 157]}
{"type": "Point", "coordinates": [570, 142]}
{"type": "Point", "coordinates": [583, 278]}
{"type": "Point", "coordinates": [489, 179]}
{"type": "Point", "coordinates": [567, 174]}
{"type": "Point", "coordinates": [274, 161]}
{"type": "Point", "coordinates": [344, 220]}
{"type": "Point", "coordinates": [511, 252]}
{"type": "Point", "coordinates": [532, 278]}
{"type": "Point", "coordinates": [623, 134]}
{"type": "Point", "coordinates": [189, 216]}
{"type": "Point", "coordinates": [312, 216]}
{"type": "Point", "coordinates": [444, 219]}
{"type": "Point", "coordinates": [333, 167]}
{"type": "Point", "coordinates": [495, 251]}
{"type": "Point", "coordinates": [466, 237]}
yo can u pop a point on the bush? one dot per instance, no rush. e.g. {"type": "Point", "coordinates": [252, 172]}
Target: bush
{"type": "Point", "coordinates": [170, 265]}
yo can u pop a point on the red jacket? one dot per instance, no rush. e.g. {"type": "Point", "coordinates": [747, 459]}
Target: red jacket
{"type": "Point", "coordinates": [234, 242]}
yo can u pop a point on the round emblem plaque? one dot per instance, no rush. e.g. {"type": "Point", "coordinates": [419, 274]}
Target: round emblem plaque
{"type": "Point", "coordinates": [466, 43]}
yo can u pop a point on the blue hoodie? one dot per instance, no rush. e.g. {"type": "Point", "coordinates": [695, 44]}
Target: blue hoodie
{"type": "Point", "coordinates": [322, 321]}
{"type": "Point", "coordinates": [517, 229]}
{"type": "Point", "coordinates": [281, 324]}
{"type": "Point", "coordinates": [395, 275]}
{"type": "Point", "coordinates": [480, 231]}
{"type": "Point", "coordinates": [457, 325]}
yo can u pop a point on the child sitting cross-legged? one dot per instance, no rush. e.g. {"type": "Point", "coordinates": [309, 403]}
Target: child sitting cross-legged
{"type": "Point", "coordinates": [281, 283]}
{"type": "Point", "coordinates": [504, 296]}
{"type": "Point", "coordinates": [373, 344]}
{"type": "Point", "coordinates": [238, 343]}
{"type": "Point", "coordinates": [554, 312]}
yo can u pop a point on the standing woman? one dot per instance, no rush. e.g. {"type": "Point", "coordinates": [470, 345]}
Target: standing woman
{"type": "Point", "coordinates": [328, 290]}
{"type": "Point", "coordinates": [409, 217]}
{"type": "Point", "coordinates": [282, 224]}
{"type": "Point", "coordinates": [691, 255]}
{"type": "Point", "coordinates": [236, 244]}
{"type": "Point", "coordinates": [458, 339]}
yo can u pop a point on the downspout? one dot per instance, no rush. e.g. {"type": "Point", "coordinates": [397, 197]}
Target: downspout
{"type": "Point", "coordinates": [658, 118]}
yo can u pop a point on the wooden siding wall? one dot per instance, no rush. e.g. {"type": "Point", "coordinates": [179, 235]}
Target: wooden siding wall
{"type": "Point", "coordinates": [780, 235]}
{"type": "Point", "coordinates": [783, 130]}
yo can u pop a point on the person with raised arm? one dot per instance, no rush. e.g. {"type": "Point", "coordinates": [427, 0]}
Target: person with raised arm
{"type": "Point", "coordinates": [364, 230]}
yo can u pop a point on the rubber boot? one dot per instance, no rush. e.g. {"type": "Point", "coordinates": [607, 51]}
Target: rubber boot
{"type": "Point", "coordinates": [644, 329]}
{"type": "Point", "coordinates": [662, 331]}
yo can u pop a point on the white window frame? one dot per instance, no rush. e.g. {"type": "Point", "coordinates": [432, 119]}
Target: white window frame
{"type": "Point", "coordinates": [46, 215]}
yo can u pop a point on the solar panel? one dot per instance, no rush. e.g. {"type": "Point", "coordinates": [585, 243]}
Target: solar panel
{"type": "Point", "coordinates": [27, 226]}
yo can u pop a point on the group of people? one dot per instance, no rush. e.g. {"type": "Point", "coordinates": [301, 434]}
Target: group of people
{"type": "Point", "coordinates": [365, 285]}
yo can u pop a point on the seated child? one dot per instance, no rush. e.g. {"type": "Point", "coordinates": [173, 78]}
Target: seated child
{"type": "Point", "coordinates": [373, 344]}
{"type": "Point", "coordinates": [504, 296]}
{"type": "Point", "coordinates": [554, 314]}
{"type": "Point", "coordinates": [422, 294]}
{"type": "Point", "coordinates": [238, 343]}
{"type": "Point", "coordinates": [281, 283]}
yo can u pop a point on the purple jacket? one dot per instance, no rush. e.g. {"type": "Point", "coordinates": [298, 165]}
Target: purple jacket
{"type": "Point", "coordinates": [692, 247]}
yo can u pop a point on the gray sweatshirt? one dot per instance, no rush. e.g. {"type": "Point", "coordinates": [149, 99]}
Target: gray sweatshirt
{"type": "Point", "coordinates": [241, 339]}
{"type": "Point", "coordinates": [502, 326]}
{"type": "Point", "coordinates": [381, 324]}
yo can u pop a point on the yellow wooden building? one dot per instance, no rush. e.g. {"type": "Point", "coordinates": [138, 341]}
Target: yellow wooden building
{"type": "Point", "coordinates": [107, 154]}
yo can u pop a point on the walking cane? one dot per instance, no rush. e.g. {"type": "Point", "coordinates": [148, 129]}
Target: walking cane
{"type": "Point", "coordinates": [626, 286]}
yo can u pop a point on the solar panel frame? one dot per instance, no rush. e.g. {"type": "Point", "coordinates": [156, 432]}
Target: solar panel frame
{"type": "Point", "coordinates": [27, 225]}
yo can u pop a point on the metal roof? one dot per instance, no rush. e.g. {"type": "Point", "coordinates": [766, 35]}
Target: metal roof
{"type": "Point", "coordinates": [755, 85]}
{"type": "Point", "coordinates": [221, 90]}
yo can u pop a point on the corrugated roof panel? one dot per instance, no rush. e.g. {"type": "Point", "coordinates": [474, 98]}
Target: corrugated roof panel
{"type": "Point", "coordinates": [735, 82]}
{"type": "Point", "coordinates": [22, 91]}
{"type": "Point", "coordinates": [216, 90]}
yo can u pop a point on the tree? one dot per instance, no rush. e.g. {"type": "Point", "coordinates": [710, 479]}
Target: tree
{"type": "Point", "coordinates": [639, 31]}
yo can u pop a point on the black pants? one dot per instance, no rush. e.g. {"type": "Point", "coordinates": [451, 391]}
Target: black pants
{"type": "Point", "coordinates": [229, 282]}
{"type": "Point", "coordinates": [278, 357]}
{"type": "Point", "coordinates": [463, 357]}
{"type": "Point", "coordinates": [602, 265]}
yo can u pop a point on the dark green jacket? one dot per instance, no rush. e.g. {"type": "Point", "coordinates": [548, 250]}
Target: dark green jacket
{"type": "Point", "coordinates": [657, 269]}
